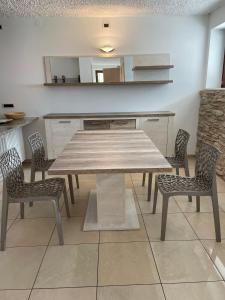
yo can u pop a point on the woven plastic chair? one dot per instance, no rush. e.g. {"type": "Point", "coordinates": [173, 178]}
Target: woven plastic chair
{"type": "Point", "coordinates": [16, 190]}
{"type": "Point", "coordinates": [39, 163]}
{"type": "Point", "coordinates": [180, 159]}
{"type": "Point", "coordinates": [203, 184]}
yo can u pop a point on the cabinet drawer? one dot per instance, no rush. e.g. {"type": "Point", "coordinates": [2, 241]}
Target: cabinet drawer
{"type": "Point", "coordinates": [65, 127]}
{"type": "Point", "coordinates": [123, 124]}
{"type": "Point", "coordinates": [155, 124]}
{"type": "Point", "coordinates": [96, 124]}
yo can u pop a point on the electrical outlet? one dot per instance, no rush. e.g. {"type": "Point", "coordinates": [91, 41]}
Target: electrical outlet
{"type": "Point", "coordinates": [8, 105]}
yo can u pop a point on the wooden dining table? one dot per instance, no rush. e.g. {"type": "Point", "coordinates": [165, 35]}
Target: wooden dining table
{"type": "Point", "coordinates": [110, 154]}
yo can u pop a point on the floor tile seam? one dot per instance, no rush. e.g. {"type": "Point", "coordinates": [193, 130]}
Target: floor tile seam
{"type": "Point", "coordinates": [41, 262]}
{"type": "Point", "coordinates": [200, 241]}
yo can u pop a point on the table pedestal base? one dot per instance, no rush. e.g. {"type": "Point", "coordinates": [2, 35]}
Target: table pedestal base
{"type": "Point", "coordinates": [130, 218]}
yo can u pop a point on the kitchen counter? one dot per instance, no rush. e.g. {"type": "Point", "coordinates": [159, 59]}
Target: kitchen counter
{"type": "Point", "coordinates": [5, 128]}
{"type": "Point", "coordinates": [109, 115]}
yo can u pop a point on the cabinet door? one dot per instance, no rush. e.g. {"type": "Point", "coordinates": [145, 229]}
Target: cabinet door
{"type": "Point", "coordinates": [59, 133]}
{"type": "Point", "coordinates": [157, 129]}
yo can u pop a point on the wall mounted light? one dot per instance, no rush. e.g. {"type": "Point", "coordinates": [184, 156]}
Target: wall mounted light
{"type": "Point", "coordinates": [107, 49]}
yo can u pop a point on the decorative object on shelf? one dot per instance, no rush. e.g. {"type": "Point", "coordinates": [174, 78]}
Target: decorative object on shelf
{"type": "Point", "coordinates": [63, 79]}
{"type": "Point", "coordinates": [107, 49]}
{"type": "Point", "coordinates": [55, 79]}
{"type": "Point", "coordinates": [15, 115]}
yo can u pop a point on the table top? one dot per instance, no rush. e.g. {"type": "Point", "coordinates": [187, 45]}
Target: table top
{"type": "Point", "coordinates": [109, 151]}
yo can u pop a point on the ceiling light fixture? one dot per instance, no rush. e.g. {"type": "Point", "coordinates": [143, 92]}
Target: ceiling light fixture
{"type": "Point", "coordinates": [107, 49]}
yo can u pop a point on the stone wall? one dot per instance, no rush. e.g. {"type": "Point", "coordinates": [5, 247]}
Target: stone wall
{"type": "Point", "coordinates": [211, 127]}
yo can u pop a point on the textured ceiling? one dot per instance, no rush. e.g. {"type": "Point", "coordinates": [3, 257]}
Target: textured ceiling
{"type": "Point", "coordinates": [96, 8]}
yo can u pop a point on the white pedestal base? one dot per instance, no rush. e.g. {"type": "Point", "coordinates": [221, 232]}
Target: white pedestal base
{"type": "Point", "coordinates": [130, 221]}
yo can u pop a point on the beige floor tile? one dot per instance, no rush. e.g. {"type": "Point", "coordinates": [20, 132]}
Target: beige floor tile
{"type": "Point", "coordinates": [220, 185]}
{"type": "Point", "coordinates": [126, 263]}
{"type": "Point", "coordinates": [139, 189]}
{"type": "Point", "coordinates": [14, 210]}
{"type": "Point", "coordinates": [195, 291]}
{"type": "Point", "coordinates": [74, 234]}
{"type": "Point", "coordinates": [142, 292]}
{"type": "Point", "coordinates": [183, 262]}
{"type": "Point", "coordinates": [40, 210]}
{"type": "Point", "coordinates": [69, 266]}
{"type": "Point", "coordinates": [14, 295]}
{"type": "Point", "coordinates": [125, 235]}
{"type": "Point", "coordinates": [78, 209]}
{"type": "Point", "coordinates": [203, 224]}
{"type": "Point", "coordinates": [146, 206]}
{"type": "Point", "coordinates": [221, 199]}
{"type": "Point", "coordinates": [64, 294]}
{"type": "Point", "coordinates": [177, 227]}
{"type": "Point", "coordinates": [30, 232]}
{"type": "Point", "coordinates": [217, 254]}
{"type": "Point", "coordinates": [19, 266]}
{"type": "Point", "coordinates": [186, 206]}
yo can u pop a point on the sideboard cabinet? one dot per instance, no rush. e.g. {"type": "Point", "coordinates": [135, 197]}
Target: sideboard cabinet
{"type": "Point", "coordinates": [60, 130]}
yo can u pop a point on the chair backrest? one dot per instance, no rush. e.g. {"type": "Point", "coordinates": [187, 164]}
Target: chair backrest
{"type": "Point", "coordinates": [206, 163]}
{"type": "Point", "coordinates": [12, 171]}
{"type": "Point", "coordinates": [181, 144]}
{"type": "Point", "coordinates": [37, 148]}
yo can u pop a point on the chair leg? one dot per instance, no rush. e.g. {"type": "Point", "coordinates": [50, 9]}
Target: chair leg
{"type": "Point", "coordinates": [216, 216]}
{"type": "Point", "coordinates": [58, 222]}
{"type": "Point", "coordinates": [186, 170]}
{"type": "Point", "coordinates": [66, 202]}
{"type": "Point", "coordinates": [143, 179]}
{"type": "Point", "coordinates": [70, 180]}
{"type": "Point", "coordinates": [164, 217]}
{"type": "Point", "coordinates": [43, 175]}
{"type": "Point", "coordinates": [4, 221]}
{"type": "Point", "coordinates": [22, 210]}
{"type": "Point", "coordinates": [155, 196]}
{"type": "Point", "coordinates": [32, 179]}
{"type": "Point", "coordinates": [77, 181]}
{"type": "Point", "coordinates": [198, 203]}
{"type": "Point", "coordinates": [149, 186]}
{"type": "Point", "coordinates": [177, 171]}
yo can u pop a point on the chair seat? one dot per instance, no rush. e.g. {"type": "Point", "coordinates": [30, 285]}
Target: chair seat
{"type": "Point", "coordinates": [52, 187]}
{"type": "Point", "coordinates": [174, 184]}
{"type": "Point", "coordinates": [175, 162]}
{"type": "Point", "coordinates": [43, 165]}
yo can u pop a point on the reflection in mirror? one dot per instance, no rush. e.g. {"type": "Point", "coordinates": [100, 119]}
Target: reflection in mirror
{"type": "Point", "coordinates": [151, 68]}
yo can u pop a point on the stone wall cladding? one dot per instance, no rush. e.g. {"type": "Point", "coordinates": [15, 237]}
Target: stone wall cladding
{"type": "Point", "coordinates": [211, 126]}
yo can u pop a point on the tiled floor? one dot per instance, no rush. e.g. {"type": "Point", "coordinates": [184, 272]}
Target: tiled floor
{"type": "Point", "coordinates": [121, 265]}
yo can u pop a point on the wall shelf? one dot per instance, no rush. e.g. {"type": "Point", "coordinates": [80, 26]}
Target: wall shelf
{"type": "Point", "coordinates": [108, 83]}
{"type": "Point", "coordinates": [156, 67]}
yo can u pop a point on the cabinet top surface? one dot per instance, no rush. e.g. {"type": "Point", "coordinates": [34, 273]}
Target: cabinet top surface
{"type": "Point", "coordinates": [108, 115]}
{"type": "Point", "coordinates": [114, 151]}
{"type": "Point", "coordinates": [5, 128]}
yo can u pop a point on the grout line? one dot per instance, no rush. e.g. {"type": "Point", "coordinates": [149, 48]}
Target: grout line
{"type": "Point", "coordinates": [96, 296]}
{"type": "Point", "coordinates": [200, 241]}
{"type": "Point", "coordinates": [149, 242]}
{"type": "Point", "coordinates": [41, 262]}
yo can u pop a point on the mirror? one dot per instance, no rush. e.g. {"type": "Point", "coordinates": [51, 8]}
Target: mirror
{"type": "Point", "coordinates": [107, 70]}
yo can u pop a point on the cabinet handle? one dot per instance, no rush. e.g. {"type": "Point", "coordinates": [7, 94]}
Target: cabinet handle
{"type": "Point", "coordinates": [153, 120]}
{"type": "Point", "coordinates": [64, 122]}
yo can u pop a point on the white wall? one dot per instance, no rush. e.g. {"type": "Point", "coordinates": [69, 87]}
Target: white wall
{"type": "Point", "coordinates": [216, 47]}
{"type": "Point", "coordinates": [24, 41]}
{"type": "Point", "coordinates": [215, 58]}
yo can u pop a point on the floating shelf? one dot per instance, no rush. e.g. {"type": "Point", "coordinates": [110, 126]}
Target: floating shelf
{"type": "Point", "coordinates": [108, 83]}
{"type": "Point", "coordinates": [156, 67]}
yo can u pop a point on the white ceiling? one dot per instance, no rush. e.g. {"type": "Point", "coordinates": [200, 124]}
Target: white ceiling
{"type": "Point", "coordinates": [109, 8]}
